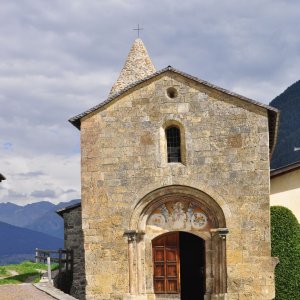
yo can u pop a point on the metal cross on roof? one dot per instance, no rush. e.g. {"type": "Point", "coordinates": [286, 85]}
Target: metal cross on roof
{"type": "Point", "coordinates": [138, 29]}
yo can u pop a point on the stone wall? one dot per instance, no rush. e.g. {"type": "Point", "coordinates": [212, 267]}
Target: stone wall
{"type": "Point", "coordinates": [226, 157]}
{"type": "Point", "coordinates": [138, 65]}
{"type": "Point", "coordinates": [74, 241]}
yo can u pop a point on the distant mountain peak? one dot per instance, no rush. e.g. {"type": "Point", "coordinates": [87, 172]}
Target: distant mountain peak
{"type": "Point", "coordinates": [39, 216]}
{"type": "Point", "coordinates": [288, 103]}
{"type": "Point", "coordinates": [292, 92]}
{"type": "Point", "coordinates": [20, 242]}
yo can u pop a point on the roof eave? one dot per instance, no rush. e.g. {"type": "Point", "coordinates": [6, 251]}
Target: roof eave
{"type": "Point", "coordinates": [273, 113]}
{"type": "Point", "coordinates": [285, 169]}
{"type": "Point", "coordinates": [273, 120]}
{"type": "Point", "coordinates": [63, 210]}
{"type": "Point", "coordinates": [76, 122]}
{"type": "Point", "coordinates": [76, 119]}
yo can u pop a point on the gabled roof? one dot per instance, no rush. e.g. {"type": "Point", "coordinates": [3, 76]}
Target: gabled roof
{"type": "Point", "coordinates": [2, 177]}
{"type": "Point", "coordinates": [285, 169]}
{"type": "Point", "coordinates": [273, 113]}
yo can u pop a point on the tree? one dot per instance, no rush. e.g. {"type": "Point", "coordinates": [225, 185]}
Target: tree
{"type": "Point", "coordinates": [285, 233]}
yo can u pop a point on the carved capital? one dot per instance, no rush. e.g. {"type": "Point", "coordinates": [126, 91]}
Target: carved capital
{"type": "Point", "coordinates": [221, 231]}
{"type": "Point", "coordinates": [131, 235]}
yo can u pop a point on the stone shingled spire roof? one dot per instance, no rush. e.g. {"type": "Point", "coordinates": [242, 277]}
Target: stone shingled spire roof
{"type": "Point", "coordinates": [138, 65]}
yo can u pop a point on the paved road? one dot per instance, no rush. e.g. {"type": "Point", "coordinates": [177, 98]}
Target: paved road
{"type": "Point", "coordinates": [24, 291]}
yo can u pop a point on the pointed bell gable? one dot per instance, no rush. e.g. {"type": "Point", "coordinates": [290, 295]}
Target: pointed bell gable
{"type": "Point", "coordinates": [138, 65]}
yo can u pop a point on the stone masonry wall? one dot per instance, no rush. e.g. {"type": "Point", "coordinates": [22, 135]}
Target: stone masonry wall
{"type": "Point", "coordinates": [74, 241]}
{"type": "Point", "coordinates": [138, 65]}
{"type": "Point", "coordinates": [226, 156]}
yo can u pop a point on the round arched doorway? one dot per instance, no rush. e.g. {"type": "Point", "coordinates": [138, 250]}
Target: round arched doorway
{"type": "Point", "coordinates": [179, 265]}
{"type": "Point", "coordinates": [199, 224]}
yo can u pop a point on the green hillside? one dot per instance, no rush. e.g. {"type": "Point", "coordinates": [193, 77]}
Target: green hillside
{"type": "Point", "coordinates": [24, 272]}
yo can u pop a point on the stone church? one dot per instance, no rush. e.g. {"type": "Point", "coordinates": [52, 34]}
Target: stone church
{"type": "Point", "coordinates": [175, 189]}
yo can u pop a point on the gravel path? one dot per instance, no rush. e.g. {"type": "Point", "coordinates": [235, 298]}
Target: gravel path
{"type": "Point", "coordinates": [22, 292]}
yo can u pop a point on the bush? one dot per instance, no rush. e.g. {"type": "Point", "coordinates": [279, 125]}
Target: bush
{"type": "Point", "coordinates": [285, 233]}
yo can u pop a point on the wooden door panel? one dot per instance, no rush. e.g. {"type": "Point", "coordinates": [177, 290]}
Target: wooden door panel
{"type": "Point", "coordinates": [172, 271]}
{"type": "Point", "coordinates": [172, 286]}
{"type": "Point", "coordinates": [159, 271]}
{"type": "Point", "coordinates": [171, 239]}
{"type": "Point", "coordinates": [159, 254]}
{"type": "Point", "coordinates": [166, 263]}
{"type": "Point", "coordinates": [171, 255]}
{"type": "Point", "coordinates": [159, 285]}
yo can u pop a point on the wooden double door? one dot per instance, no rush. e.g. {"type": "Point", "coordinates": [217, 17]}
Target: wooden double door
{"type": "Point", "coordinates": [179, 265]}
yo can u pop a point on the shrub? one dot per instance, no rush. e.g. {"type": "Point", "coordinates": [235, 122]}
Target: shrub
{"type": "Point", "coordinates": [285, 233]}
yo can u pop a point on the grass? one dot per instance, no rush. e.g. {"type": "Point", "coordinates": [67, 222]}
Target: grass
{"type": "Point", "coordinates": [3, 271]}
{"type": "Point", "coordinates": [26, 271]}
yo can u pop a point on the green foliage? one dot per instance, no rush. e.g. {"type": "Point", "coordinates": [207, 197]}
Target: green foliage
{"type": "Point", "coordinates": [3, 271]}
{"type": "Point", "coordinates": [26, 271]}
{"type": "Point", "coordinates": [20, 278]}
{"type": "Point", "coordinates": [285, 231]}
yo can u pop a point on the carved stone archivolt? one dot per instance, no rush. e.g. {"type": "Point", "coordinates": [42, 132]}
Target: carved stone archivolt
{"type": "Point", "coordinates": [179, 215]}
{"type": "Point", "coordinates": [177, 208]}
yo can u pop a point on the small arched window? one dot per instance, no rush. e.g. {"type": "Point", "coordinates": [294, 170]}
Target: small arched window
{"type": "Point", "coordinates": [173, 144]}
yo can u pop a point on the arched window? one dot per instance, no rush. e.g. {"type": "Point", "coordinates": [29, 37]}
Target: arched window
{"type": "Point", "coordinates": [173, 144]}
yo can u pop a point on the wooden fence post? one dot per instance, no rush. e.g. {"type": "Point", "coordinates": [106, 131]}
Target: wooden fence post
{"type": "Point", "coordinates": [64, 259]}
{"type": "Point", "coordinates": [59, 259]}
{"type": "Point", "coordinates": [37, 260]}
{"type": "Point", "coordinates": [49, 269]}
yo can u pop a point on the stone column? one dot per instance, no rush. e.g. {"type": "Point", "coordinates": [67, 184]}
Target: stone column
{"type": "Point", "coordinates": [218, 239]}
{"type": "Point", "coordinates": [222, 254]}
{"type": "Point", "coordinates": [131, 236]}
{"type": "Point", "coordinates": [140, 267]}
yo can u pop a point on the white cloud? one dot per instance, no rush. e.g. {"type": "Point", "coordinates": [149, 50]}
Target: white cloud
{"type": "Point", "coordinates": [43, 194]}
{"type": "Point", "coordinates": [59, 58]}
{"type": "Point", "coordinates": [53, 178]}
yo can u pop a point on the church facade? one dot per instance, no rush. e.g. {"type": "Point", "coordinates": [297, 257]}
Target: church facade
{"type": "Point", "coordinates": [175, 189]}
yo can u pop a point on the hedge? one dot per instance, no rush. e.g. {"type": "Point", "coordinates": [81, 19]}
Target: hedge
{"type": "Point", "coordinates": [285, 234]}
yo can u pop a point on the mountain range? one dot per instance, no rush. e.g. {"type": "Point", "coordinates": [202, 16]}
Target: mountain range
{"type": "Point", "coordinates": [40, 216]}
{"type": "Point", "coordinates": [24, 228]}
{"type": "Point", "coordinates": [19, 243]}
{"type": "Point", "coordinates": [287, 149]}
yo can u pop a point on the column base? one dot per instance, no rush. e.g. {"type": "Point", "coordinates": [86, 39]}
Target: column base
{"type": "Point", "coordinates": [216, 297]}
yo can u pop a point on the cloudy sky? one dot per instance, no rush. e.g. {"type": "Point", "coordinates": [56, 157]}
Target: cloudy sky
{"type": "Point", "coordinates": [61, 57]}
